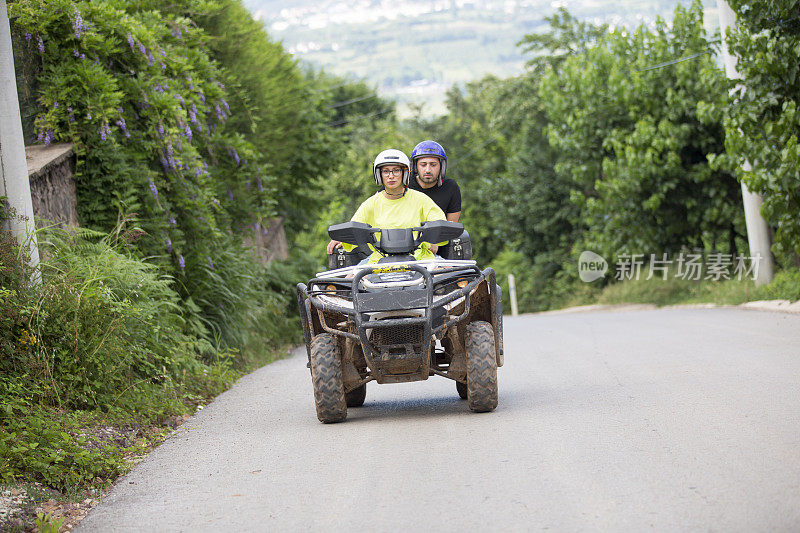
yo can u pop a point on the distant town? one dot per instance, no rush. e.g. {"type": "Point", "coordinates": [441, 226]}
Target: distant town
{"type": "Point", "coordinates": [415, 50]}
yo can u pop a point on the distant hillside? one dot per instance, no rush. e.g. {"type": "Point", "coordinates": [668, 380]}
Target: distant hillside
{"type": "Point", "coordinates": [414, 50]}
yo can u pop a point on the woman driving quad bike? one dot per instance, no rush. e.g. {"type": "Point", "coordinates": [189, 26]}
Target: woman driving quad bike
{"type": "Point", "coordinates": [402, 314]}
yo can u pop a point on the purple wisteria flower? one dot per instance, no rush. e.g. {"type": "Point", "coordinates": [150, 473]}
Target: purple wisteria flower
{"type": "Point", "coordinates": [163, 52]}
{"type": "Point", "coordinates": [221, 115]}
{"type": "Point", "coordinates": [28, 36]}
{"type": "Point", "coordinates": [78, 25]}
{"type": "Point", "coordinates": [150, 59]}
{"type": "Point", "coordinates": [131, 42]}
{"type": "Point", "coordinates": [123, 127]}
{"type": "Point", "coordinates": [169, 245]}
{"type": "Point", "coordinates": [40, 137]}
{"type": "Point", "coordinates": [40, 44]}
{"type": "Point", "coordinates": [225, 105]}
{"type": "Point", "coordinates": [202, 97]}
{"type": "Point", "coordinates": [142, 49]}
{"type": "Point", "coordinates": [88, 116]}
{"type": "Point", "coordinates": [215, 201]}
{"type": "Point", "coordinates": [104, 131]}
{"type": "Point", "coordinates": [164, 164]}
{"type": "Point", "coordinates": [236, 156]}
{"type": "Point", "coordinates": [230, 194]}
{"type": "Point", "coordinates": [210, 263]}
{"type": "Point", "coordinates": [177, 33]}
{"type": "Point", "coordinates": [188, 132]}
{"type": "Point", "coordinates": [179, 98]}
{"type": "Point", "coordinates": [71, 116]}
{"type": "Point", "coordinates": [193, 114]}
{"type": "Point", "coordinates": [179, 143]}
{"type": "Point", "coordinates": [172, 221]}
{"type": "Point", "coordinates": [260, 185]}
{"type": "Point", "coordinates": [169, 150]}
{"type": "Point", "coordinates": [153, 189]}
{"type": "Point", "coordinates": [181, 262]}
{"type": "Point", "coordinates": [55, 104]}
{"type": "Point", "coordinates": [161, 130]}
{"type": "Point", "coordinates": [197, 172]}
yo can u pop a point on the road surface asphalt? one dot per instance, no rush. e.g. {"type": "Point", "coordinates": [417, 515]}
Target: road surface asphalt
{"type": "Point", "coordinates": [664, 420]}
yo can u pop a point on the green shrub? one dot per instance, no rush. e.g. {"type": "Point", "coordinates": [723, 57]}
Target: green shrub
{"type": "Point", "coordinates": [100, 321]}
{"type": "Point", "coordinates": [40, 446]}
{"type": "Point", "coordinates": [785, 286]}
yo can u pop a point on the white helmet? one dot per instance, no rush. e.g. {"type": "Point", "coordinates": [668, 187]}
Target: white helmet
{"type": "Point", "coordinates": [390, 157]}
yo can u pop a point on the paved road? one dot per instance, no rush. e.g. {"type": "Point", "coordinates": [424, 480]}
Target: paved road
{"type": "Point", "coordinates": [666, 420]}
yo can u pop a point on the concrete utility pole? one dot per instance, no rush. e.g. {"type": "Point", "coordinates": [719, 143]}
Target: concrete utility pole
{"type": "Point", "coordinates": [757, 230]}
{"type": "Point", "coordinates": [512, 294]}
{"type": "Point", "coordinates": [14, 182]}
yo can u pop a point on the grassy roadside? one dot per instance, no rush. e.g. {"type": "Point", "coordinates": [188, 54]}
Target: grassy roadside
{"type": "Point", "coordinates": [65, 459]}
{"type": "Point", "coordinates": [98, 364]}
{"type": "Point", "coordinates": [675, 291]}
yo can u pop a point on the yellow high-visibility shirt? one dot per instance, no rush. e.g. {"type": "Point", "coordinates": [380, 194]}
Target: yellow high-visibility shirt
{"type": "Point", "coordinates": [410, 211]}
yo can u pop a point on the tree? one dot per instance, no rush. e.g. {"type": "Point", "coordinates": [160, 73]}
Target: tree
{"type": "Point", "coordinates": [763, 124]}
{"type": "Point", "coordinates": [636, 140]}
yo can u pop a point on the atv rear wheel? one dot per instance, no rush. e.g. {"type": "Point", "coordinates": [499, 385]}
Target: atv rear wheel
{"type": "Point", "coordinates": [355, 398]}
{"type": "Point", "coordinates": [481, 367]}
{"type": "Point", "coordinates": [326, 375]}
{"type": "Point", "coordinates": [462, 390]}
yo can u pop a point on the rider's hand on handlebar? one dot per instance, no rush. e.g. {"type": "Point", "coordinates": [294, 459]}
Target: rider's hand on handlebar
{"type": "Point", "coordinates": [333, 245]}
{"type": "Point", "coordinates": [434, 248]}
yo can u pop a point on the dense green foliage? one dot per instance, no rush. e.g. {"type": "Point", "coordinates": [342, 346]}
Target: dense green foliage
{"type": "Point", "coordinates": [190, 116]}
{"type": "Point", "coordinates": [596, 149]}
{"type": "Point", "coordinates": [100, 333]}
{"type": "Point", "coordinates": [763, 125]}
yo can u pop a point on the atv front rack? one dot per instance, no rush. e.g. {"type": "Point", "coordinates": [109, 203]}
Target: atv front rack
{"type": "Point", "coordinates": [334, 297]}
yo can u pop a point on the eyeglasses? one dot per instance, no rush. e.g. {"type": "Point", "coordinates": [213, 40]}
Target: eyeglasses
{"type": "Point", "coordinates": [385, 172]}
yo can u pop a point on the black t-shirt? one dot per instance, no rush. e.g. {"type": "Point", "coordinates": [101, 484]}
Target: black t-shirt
{"type": "Point", "coordinates": [447, 195]}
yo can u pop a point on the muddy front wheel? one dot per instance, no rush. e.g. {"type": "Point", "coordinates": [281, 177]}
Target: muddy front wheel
{"type": "Point", "coordinates": [481, 367]}
{"type": "Point", "coordinates": [326, 375]}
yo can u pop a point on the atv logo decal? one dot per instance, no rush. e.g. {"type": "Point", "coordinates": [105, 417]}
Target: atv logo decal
{"type": "Point", "coordinates": [388, 269]}
{"type": "Point", "coordinates": [591, 266]}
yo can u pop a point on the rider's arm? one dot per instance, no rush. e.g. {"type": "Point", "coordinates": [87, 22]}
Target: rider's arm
{"type": "Point", "coordinates": [453, 217]}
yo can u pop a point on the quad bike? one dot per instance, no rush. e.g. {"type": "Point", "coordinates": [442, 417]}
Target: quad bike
{"type": "Point", "coordinates": [401, 320]}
